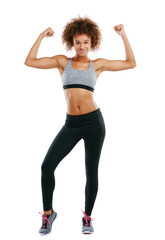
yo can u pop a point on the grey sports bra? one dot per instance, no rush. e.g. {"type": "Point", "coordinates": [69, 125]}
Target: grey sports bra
{"type": "Point", "coordinates": [73, 78]}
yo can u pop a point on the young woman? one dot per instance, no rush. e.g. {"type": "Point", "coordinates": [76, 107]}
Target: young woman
{"type": "Point", "coordinates": [84, 119]}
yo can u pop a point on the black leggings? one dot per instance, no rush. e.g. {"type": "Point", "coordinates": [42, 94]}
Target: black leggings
{"type": "Point", "coordinates": [91, 128]}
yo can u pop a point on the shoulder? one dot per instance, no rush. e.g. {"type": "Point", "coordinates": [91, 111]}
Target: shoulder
{"type": "Point", "coordinates": [98, 63]}
{"type": "Point", "coordinates": [62, 60]}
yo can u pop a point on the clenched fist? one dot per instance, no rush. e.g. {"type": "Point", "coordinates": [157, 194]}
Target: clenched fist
{"type": "Point", "coordinates": [119, 29]}
{"type": "Point", "coordinates": [47, 33]}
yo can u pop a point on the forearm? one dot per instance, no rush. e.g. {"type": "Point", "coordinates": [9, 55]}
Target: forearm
{"type": "Point", "coordinates": [34, 50]}
{"type": "Point", "coordinates": [128, 50]}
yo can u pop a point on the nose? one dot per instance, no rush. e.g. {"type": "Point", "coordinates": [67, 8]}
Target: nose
{"type": "Point", "coordinates": [82, 46]}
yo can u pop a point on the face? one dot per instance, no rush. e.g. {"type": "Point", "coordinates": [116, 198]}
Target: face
{"type": "Point", "coordinates": [82, 44]}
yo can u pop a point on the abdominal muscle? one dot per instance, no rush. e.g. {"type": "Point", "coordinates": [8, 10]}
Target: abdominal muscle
{"type": "Point", "coordinates": [79, 101]}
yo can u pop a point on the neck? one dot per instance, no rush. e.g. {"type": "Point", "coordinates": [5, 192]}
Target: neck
{"type": "Point", "coordinates": [81, 58]}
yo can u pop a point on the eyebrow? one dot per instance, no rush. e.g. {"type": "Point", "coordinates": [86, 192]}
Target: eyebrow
{"type": "Point", "coordinates": [84, 40]}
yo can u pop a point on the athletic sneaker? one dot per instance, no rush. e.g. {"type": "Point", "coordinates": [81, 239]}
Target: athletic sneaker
{"type": "Point", "coordinates": [87, 224]}
{"type": "Point", "coordinates": [47, 221]}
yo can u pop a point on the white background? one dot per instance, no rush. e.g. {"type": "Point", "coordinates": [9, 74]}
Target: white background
{"type": "Point", "coordinates": [130, 201]}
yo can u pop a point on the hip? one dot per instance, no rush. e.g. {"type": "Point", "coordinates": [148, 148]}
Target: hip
{"type": "Point", "coordinates": [85, 121]}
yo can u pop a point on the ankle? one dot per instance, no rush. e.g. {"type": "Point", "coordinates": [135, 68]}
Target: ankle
{"type": "Point", "coordinates": [48, 212]}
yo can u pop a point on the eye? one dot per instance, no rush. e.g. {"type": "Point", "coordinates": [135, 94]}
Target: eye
{"type": "Point", "coordinates": [78, 42]}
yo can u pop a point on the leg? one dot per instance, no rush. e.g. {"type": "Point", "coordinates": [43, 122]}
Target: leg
{"type": "Point", "coordinates": [93, 146]}
{"type": "Point", "coordinates": [60, 147]}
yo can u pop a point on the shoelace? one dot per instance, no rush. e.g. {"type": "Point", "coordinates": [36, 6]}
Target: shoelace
{"type": "Point", "coordinates": [87, 219]}
{"type": "Point", "coordinates": [45, 219]}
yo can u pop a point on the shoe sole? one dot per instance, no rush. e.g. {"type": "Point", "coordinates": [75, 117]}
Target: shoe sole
{"type": "Point", "coordinates": [87, 232]}
{"type": "Point", "coordinates": [43, 234]}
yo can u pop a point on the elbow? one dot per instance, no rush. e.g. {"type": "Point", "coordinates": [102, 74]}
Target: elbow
{"type": "Point", "coordinates": [27, 63]}
{"type": "Point", "coordinates": [133, 65]}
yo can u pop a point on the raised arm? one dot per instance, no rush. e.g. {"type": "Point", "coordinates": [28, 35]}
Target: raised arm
{"type": "Point", "coordinates": [118, 65]}
{"type": "Point", "coordinates": [44, 62]}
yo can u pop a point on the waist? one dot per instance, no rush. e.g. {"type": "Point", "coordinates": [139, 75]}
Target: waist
{"type": "Point", "coordinates": [82, 108]}
{"type": "Point", "coordinates": [83, 117]}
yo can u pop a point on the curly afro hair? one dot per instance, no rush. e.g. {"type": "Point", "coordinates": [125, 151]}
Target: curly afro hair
{"type": "Point", "coordinates": [81, 25]}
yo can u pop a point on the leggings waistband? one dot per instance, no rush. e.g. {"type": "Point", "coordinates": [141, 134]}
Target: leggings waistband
{"type": "Point", "coordinates": [85, 116]}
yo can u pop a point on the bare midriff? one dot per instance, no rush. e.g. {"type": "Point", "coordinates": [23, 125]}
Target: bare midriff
{"type": "Point", "coordinates": [79, 101]}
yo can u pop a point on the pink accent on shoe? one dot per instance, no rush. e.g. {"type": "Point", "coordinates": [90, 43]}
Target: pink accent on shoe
{"type": "Point", "coordinates": [87, 219]}
{"type": "Point", "coordinates": [45, 220]}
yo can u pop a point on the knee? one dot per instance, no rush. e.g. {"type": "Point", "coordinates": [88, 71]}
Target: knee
{"type": "Point", "coordinates": [49, 165]}
{"type": "Point", "coordinates": [46, 168]}
{"type": "Point", "coordinates": [43, 167]}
